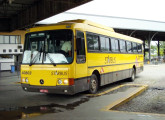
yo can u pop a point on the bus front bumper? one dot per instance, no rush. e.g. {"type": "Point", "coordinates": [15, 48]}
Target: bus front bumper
{"type": "Point", "coordinates": [70, 90]}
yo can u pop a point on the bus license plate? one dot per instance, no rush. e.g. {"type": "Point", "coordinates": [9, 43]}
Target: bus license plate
{"type": "Point", "coordinates": [43, 91]}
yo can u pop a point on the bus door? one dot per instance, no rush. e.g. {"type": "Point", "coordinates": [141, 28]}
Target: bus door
{"type": "Point", "coordinates": [81, 64]}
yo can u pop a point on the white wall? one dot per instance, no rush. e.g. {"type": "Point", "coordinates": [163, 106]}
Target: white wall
{"type": "Point", "coordinates": [11, 47]}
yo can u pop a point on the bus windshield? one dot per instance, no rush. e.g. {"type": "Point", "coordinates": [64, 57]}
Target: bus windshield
{"type": "Point", "coordinates": [48, 47]}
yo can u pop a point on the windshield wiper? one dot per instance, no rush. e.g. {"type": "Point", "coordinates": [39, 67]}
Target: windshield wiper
{"type": "Point", "coordinates": [33, 60]}
{"type": "Point", "coordinates": [51, 60]}
{"type": "Point", "coordinates": [35, 57]}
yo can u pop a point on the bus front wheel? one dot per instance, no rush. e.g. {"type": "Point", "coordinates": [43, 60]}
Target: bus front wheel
{"type": "Point", "coordinates": [93, 86]}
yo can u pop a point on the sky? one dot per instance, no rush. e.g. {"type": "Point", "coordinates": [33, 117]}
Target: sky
{"type": "Point", "coordinates": [139, 9]}
{"type": "Point", "coordinates": [106, 12]}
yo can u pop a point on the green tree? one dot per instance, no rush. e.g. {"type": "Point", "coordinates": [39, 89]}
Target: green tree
{"type": "Point", "coordinates": [153, 50]}
{"type": "Point", "coordinates": [162, 47]}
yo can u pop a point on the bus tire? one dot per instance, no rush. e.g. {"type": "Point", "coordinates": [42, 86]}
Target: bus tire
{"type": "Point", "coordinates": [133, 75]}
{"type": "Point", "coordinates": [93, 85]}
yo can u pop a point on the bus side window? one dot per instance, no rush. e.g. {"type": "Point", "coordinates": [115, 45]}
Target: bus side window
{"type": "Point", "coordinates": [134, 47]}
{"type": "Point", "coordinates": [129, 46]}
{"type": "Point", "coordinates": [92, 42]}
{"type": "Point", "coordinates": [139, 48]}
{"type": "Point", "coordinates": [105, 47]}
{"type": "Point", "coordinates": [81, 52]}
{"type": "Point", "coordinates": [122, 46]}
{"type": "Point", "coordinates": [114, 45]}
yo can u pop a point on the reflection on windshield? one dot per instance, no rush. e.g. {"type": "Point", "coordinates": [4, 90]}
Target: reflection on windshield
{"type": "Point", "coordinates": [49, 47]}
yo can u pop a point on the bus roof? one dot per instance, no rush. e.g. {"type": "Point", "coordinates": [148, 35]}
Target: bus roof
{"type": "Point", "coordinates": [70, 22]}
{"type": "Point", "coordinates": [111, 30]}
{"type": "Point", "coordinates": [91, 24]}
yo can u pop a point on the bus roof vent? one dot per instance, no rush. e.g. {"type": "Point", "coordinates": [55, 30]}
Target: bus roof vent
{"type": "Point", "coordinates": [89, 23]}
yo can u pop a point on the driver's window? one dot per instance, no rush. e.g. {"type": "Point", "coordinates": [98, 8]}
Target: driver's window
{"type": "Point", "coordinates": [81, 53]}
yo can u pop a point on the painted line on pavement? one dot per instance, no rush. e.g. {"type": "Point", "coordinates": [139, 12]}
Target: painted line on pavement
{"type": "Point", "coordinates": [139, 113]}
{"type": "Point", "coordinates": [127, 98]}
{"type": "Point", "coordinates": [115, 88]}
{"type": "Point", "coordinates": [105, 92]}
{"type": "Point", "coordinates": [16, 83]}
{"type": "Point", "coordinates": [119, 102]}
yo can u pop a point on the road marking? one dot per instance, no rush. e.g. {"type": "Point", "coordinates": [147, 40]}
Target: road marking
{"type": "Point", "coordinates": [154, 65]}
{"type": "Point", "coordinates": [105, 92]}
{"type": "Point", "coordinates": [127, 98]}
{"type": "Point", "coordinates": [115, 88]}
{"type": "Point", "coordinates": [139, 113]}
{"type": "Point", "coordinates": [17, 82]}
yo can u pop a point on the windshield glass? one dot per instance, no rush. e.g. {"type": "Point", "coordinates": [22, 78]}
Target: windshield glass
{"type": "Point", "coordinates": [48, 47]}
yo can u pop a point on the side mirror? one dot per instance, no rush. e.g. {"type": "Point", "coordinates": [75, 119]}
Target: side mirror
{"type": "Point", "coordinates": [79, 43]}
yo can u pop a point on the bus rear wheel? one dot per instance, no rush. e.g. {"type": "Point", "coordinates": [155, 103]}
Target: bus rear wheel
{"type": "Point", "coordinates": [133, 75]}
{"type": "Point", "coordinates": [93, 86]}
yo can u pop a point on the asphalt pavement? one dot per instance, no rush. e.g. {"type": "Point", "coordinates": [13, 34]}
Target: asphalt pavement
{"type": "Point", "coordinates": [153, 100]}
{"type": "Point", "coordinates": [18, 104]}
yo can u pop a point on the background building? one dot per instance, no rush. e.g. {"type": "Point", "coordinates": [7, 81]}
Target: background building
{"type": "Point", "coordinates": [11, 49]}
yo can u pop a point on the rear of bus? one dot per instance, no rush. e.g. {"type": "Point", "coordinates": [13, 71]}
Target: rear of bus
{"type": "Point", "coordinates": [45, 67]}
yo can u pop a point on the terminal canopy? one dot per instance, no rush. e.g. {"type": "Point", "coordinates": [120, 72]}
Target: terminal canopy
{"type": "Point", "coordinates": [18, 14]}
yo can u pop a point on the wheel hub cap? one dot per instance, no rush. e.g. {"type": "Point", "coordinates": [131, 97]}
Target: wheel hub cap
{"type": "Point", "coordinates": [93, 84]}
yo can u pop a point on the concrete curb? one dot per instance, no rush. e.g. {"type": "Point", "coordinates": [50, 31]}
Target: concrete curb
{"type": "Point", "coordinates": [126, 98]}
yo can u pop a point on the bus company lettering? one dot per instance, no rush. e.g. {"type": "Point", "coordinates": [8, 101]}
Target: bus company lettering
{"type": "Point", "coordinates": [110, 60]}
{"type": "Point", "coordinates": [59, 72]}
{"type": "Point", "coordinates": [26, 72]}
{"type": "Point", "coordinates": [139, 57]}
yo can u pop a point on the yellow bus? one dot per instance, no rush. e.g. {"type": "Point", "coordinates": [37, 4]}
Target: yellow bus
{"type": "Point", "coordinates": [77, 55]}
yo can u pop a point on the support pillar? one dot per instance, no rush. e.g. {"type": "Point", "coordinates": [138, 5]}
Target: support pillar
{"type": "Point", "coordinates": [149, 49]}
{"type": "Point", "coordinates": [164, 55]}
{"type": "Point", "coordinates": [144, 49]}
{"type": "Point", "coordinates": [158, 51]}
{"type": "Point", "coordinates": [149, 44]}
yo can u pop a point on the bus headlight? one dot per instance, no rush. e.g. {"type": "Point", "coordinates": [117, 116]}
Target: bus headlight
{"type": "Point", "coordinates": [26, 80]}
{"type": "Point", "coordinates": [59, 82]}
{"type": "Point", "coordinates": [23, 80]}
{"type": "Point", "coordinates": [66, 81]}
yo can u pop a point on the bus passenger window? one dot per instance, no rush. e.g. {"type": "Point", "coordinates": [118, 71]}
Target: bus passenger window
{"type": "Point", "coordinates": [129, 47]}
{"type": "Point", "coordinates": [134, 47]}
{"type": "Point", "coordinates": [122, 46]}
{"type": "Point", "coordinates": [114, 45]}
{"type": "Point", "coordinates": [139, 48]}
{"type": "Point", "coordinates": [104, 44]}
{"type": "Point", "coordinates": [92, 42]}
